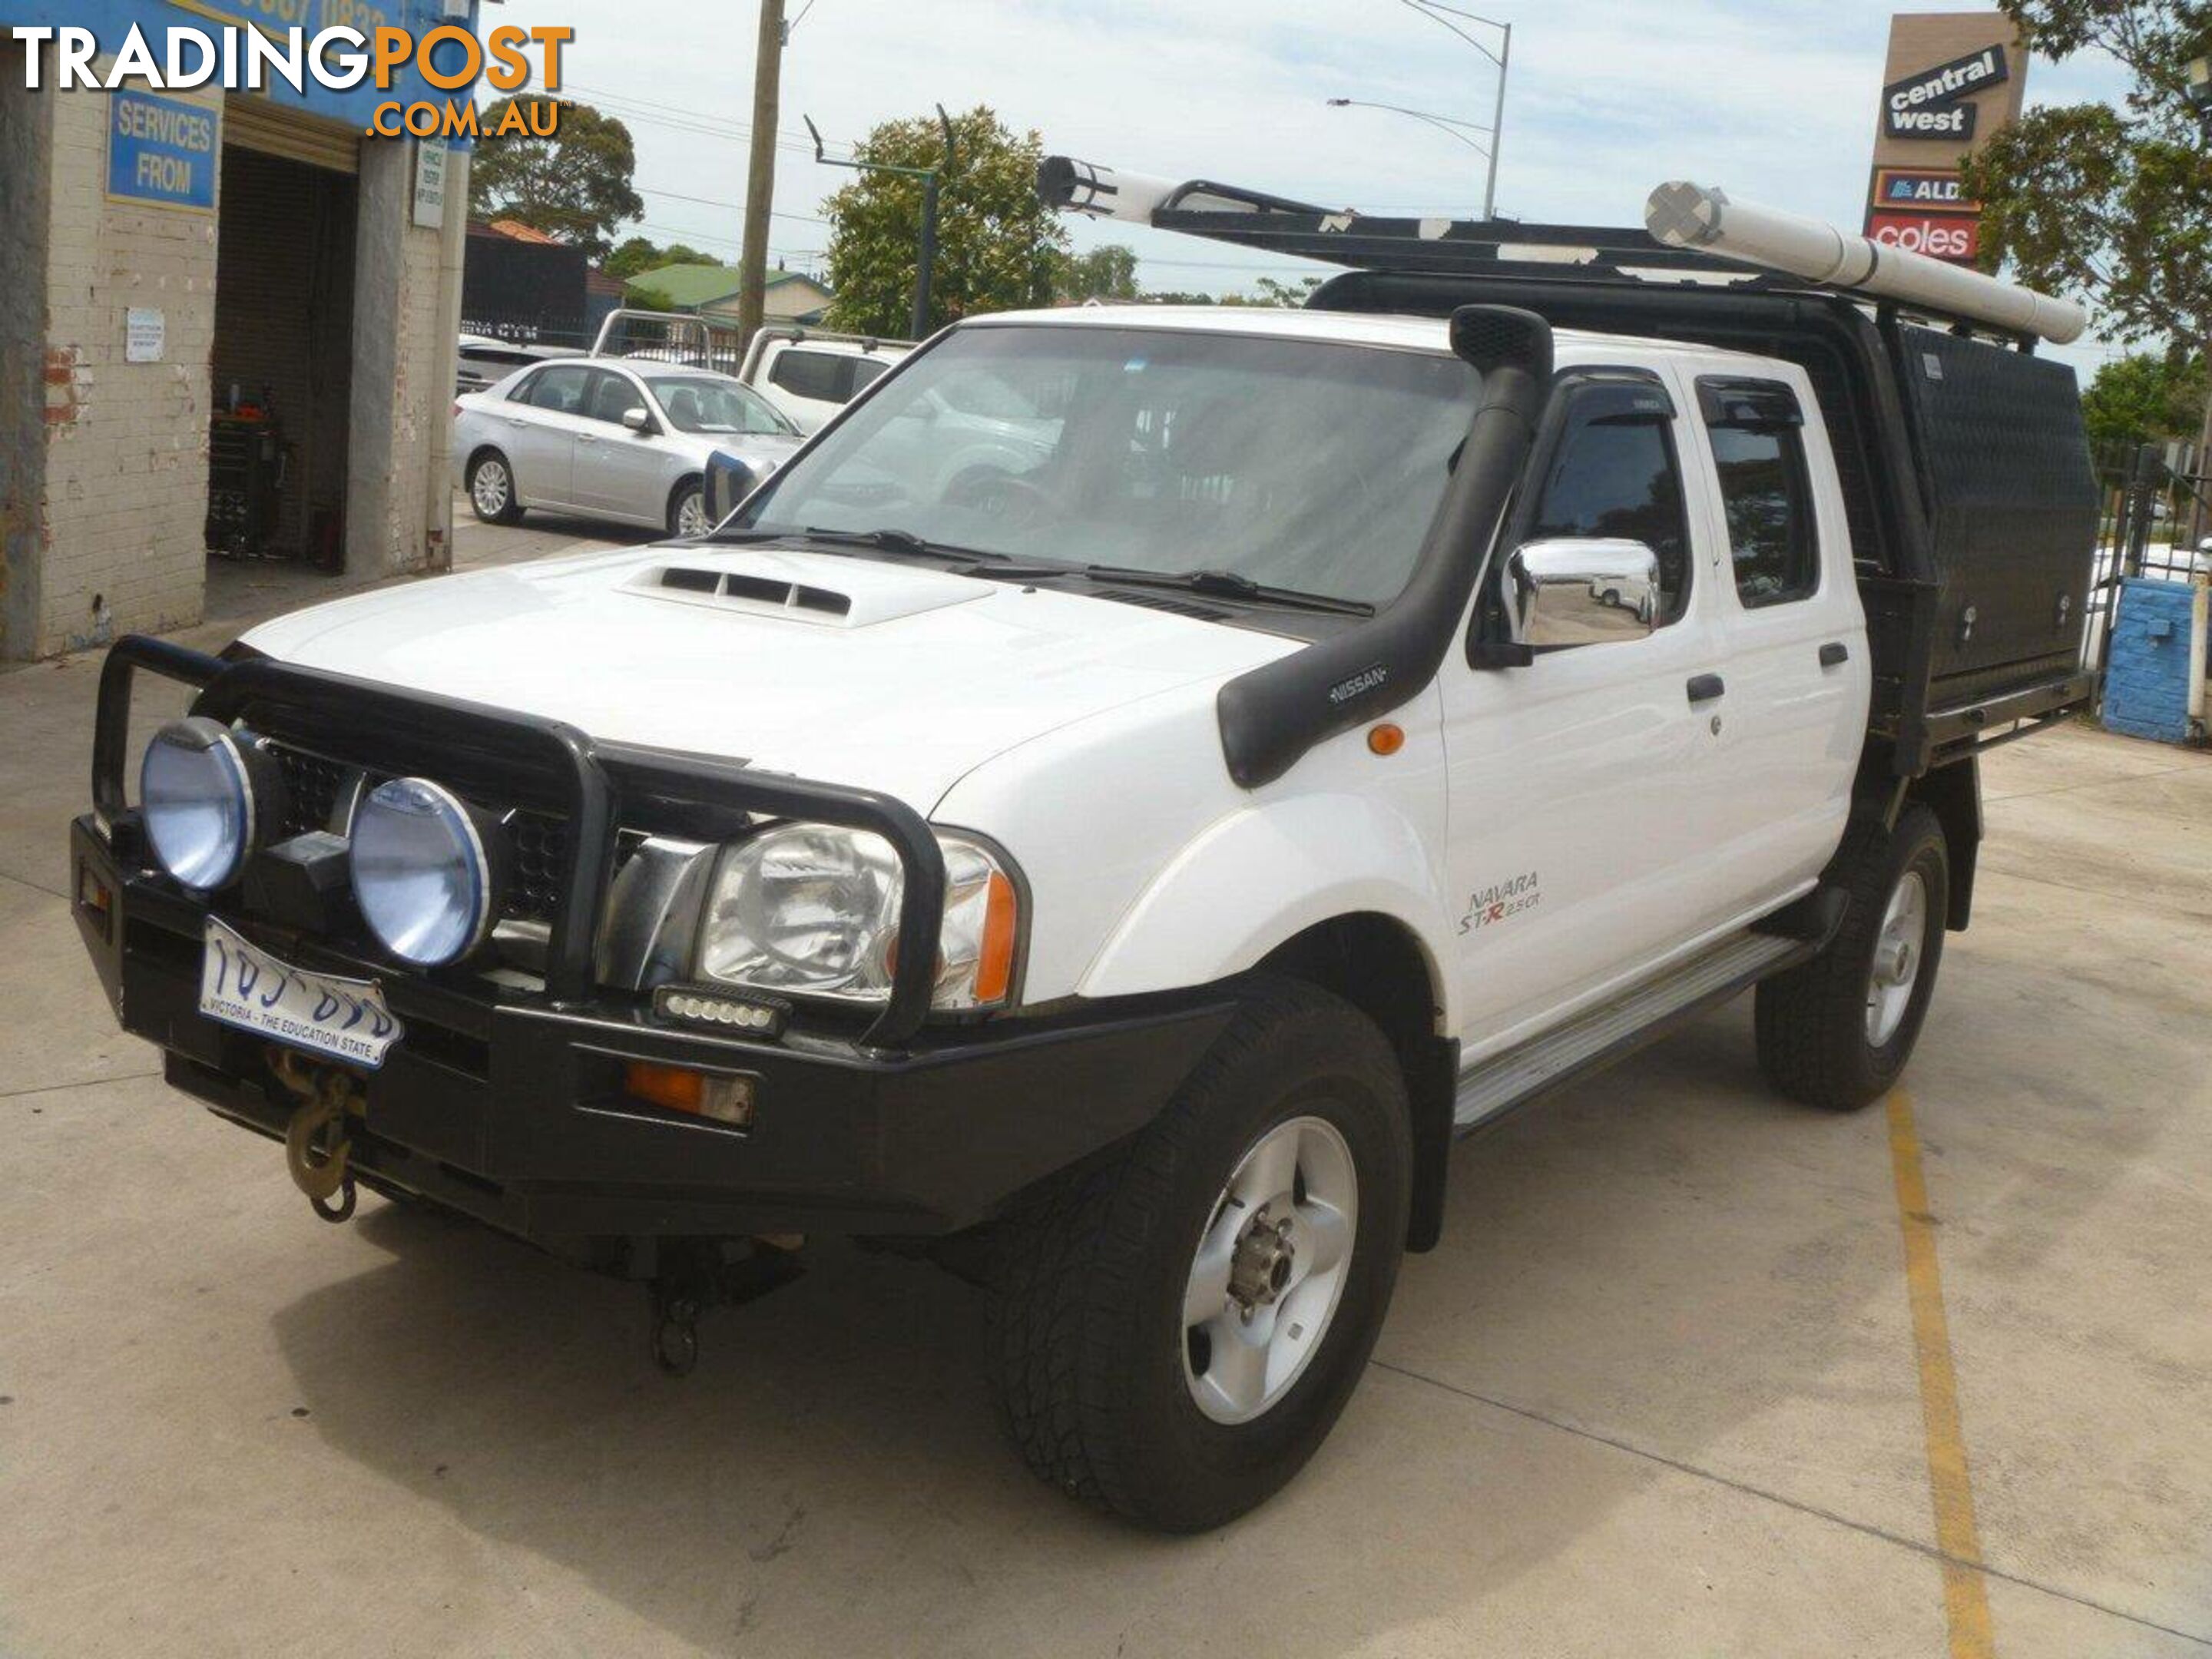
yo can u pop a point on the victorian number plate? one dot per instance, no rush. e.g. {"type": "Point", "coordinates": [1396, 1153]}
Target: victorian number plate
{"type": "Point", "coordinates": [244, 986]}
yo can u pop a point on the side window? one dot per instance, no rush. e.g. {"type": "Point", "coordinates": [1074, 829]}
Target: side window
{"type": "Point", "coordinates": [613, 396]}
{"type": "Point", "coordinates": [1757, 432]}
{"type": "Point", "coordinates": [867, 371]}
{"type": "Point", "coordinates": [562, 391]}
{"type": "Point", "coordinates": [818, 375]}
{"type": "Point", "coordinates": [1615, 474]}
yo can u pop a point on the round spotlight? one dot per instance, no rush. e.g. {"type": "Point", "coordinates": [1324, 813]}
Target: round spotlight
{"type": "Point", "coordinates": [424, 871]}
{"type": "Point", "coordinates": [196, 793]}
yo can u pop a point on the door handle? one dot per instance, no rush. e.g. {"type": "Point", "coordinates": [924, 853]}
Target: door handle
{"type": "Point", "coordinates": [1704, 687]}
{"type": "Point", "coordinates": [1834, 654]}
{"type": "Point", "coordinates": [585, 438]}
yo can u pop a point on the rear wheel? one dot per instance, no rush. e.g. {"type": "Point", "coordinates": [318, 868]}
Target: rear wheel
{"type": "Point", "coordinates": [491, 490]}
{"type": "Point", "coordinates": [1838, 1031]}
{"type": "Point", "coordinates": [1175, 1331]}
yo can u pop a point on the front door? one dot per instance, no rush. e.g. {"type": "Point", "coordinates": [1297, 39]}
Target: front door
{"type": "Point", "coordinates": [1581, 821]}
{"type": "Point", "coordinates": [620, 471]}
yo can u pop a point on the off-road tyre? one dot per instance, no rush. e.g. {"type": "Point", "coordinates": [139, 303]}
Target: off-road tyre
{"type": "Point", "coordinates": [1086, 1338]}
{"type": "Point", "coordinates": [1811, 1022]}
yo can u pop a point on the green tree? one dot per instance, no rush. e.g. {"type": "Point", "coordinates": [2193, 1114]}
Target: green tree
{"type": "Point", "coordinates": [2112, 206]}
{"type": "Point", "coordinates": [647, 298]}
{"type": "Point", "coordinates": [574, 185]}
{"type": "Point", "coordinates": [1107, 274]}
{"type": "Point", "coordinates": [1275, 293]}
{"type": "Point", "coordinates": [997, 243]}
{"type": "Point", "coordinates": [2145, 398]}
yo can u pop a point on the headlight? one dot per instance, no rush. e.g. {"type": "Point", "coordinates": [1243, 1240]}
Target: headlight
{"type": "Point", "coordinates": [809, 910]}
{"type": "Point", "coordinates": [425, 871]}
{"type": "Point", "coordinates": [205, 797]}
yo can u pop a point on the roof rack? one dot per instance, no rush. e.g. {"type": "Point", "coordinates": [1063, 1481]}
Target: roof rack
{"type": "Point", "coordinates": [1786, 247]}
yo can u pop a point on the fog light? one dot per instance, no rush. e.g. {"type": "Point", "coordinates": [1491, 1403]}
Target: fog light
{"type": "Point", "coordinates": [715, 1094]}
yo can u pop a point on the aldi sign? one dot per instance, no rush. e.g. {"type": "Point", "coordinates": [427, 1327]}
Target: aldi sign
{"type": "Point", "coordinates": [1925, 192]}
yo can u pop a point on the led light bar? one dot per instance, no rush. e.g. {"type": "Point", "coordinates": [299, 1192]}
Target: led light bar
{"type": "Point", "coordinates": [1688, 215]}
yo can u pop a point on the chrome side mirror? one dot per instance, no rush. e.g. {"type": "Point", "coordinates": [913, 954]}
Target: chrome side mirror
{"type": "Point", "coordinates": [638, 420]}
{"type": "Point", "coordinates": [1582, 592]}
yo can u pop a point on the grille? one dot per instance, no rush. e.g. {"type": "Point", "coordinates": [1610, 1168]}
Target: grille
{"type": "Point", "coordinates": [318, 791]}
{"type": "Point", "coordinates": [540, 847]}
{"type": "Point", "coordinates": [314, 789]}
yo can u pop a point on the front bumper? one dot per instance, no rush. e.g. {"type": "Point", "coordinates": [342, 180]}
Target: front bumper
{"type": "Point", "coordinates": [512, 1110]}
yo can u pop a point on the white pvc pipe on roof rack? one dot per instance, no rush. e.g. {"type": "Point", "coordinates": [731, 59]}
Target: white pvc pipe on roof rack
{"type": "Point", "coordinates": [1688, 215]}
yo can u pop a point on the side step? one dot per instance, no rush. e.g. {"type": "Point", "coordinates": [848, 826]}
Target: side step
{"type": "Point", "coordinates": [1617, 1029]}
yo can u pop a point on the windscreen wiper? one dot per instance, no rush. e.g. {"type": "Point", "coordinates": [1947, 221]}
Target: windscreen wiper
{"type": "Point", "coordinates": [983, 561]}
{"type": "Point", "coordinates": [1228, 585]}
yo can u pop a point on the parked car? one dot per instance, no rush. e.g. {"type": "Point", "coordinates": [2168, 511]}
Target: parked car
{"type": "Point", "coordinates": [810, 374]}
{"type": "Point", "coordinates": [1122, 876]}
{"type": "Point", "coordinates": [483, 362]}
{"type": "Point", "coordinates": [629, 443]}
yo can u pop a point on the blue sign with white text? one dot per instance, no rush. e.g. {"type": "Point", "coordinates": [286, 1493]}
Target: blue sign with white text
{"type": "Point", "coordinates": [161, 150]}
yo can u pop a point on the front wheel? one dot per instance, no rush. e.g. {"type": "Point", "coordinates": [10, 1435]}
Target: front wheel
{"type": "Point", "coordinates": [1838, 1031]}
{"type": "Point", "coordinates": [1175, 1332]}
{"type": "Point", "coordinates": [687, 511]}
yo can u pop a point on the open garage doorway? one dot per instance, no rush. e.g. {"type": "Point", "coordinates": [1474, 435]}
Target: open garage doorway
{"type": "Point", "coordinates": [282, 364]}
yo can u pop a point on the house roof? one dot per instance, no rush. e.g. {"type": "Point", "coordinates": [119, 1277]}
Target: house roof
{"type": "Point", "coordinates": [702, 285]}
{"type": "Point", "coordinates": [515, 230]}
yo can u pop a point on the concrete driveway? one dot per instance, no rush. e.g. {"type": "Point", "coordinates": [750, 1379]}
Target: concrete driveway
{"type": "Point", "coordinates": [1696, 1372]}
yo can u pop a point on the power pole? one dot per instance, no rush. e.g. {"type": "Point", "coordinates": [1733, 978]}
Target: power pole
{"type": "Point", "coordinates": [760, 181]}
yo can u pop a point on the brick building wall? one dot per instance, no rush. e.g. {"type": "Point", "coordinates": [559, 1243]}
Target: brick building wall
{"type": "Point", "coordinates": [2150, 669]}
{"type": "Point", "coordinates": [26, 139]}
{"type": "Point", "coordinates": [126, 443]}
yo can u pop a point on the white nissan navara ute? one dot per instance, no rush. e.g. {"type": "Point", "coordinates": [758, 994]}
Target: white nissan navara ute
{"type": "Point", "coordinates": [1121, 866]}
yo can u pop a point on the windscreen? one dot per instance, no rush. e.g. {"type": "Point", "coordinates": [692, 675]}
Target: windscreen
{"type": "Point", "coordinates": [716, 407]}
{"type": "Point", "coordinates": [1297, 464]}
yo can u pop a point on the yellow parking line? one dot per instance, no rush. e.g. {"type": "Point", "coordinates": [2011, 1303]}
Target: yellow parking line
{"type": "Point", "coordinates": [1966, 1599]}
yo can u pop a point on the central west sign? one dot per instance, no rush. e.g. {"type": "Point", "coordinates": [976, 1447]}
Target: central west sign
{"type": "Point", "coordinates": [1932, 104]}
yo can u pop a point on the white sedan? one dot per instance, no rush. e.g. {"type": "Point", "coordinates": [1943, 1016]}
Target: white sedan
{"type": "Point", "coordinates": [604, 440]}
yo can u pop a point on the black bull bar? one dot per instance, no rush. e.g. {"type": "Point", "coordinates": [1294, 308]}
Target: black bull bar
{"type": "Point", "coordinates": [530, 761]}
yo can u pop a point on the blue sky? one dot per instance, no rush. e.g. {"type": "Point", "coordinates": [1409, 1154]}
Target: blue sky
{"type": "Point", "coordinates": [1774, 100]}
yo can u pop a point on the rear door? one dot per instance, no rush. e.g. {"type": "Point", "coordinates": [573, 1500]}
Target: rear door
{"type": "Point", "coordinates": [537, 427]}
{"type": "Point", "coordinates": [1583, 820]}
{"type": "Point", "coordinates": [1793, 718]}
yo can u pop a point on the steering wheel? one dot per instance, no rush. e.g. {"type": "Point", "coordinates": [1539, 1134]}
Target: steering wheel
{"type": "Point", "coordinates": [998, 494]}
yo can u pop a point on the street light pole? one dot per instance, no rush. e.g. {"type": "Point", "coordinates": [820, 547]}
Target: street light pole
{"type": "Point", "coordinates": [931, 180]}
{"type": "Point", "coordinates": [1498, 126]}
{"type": "Point", "coordinates": [1438, 12]}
